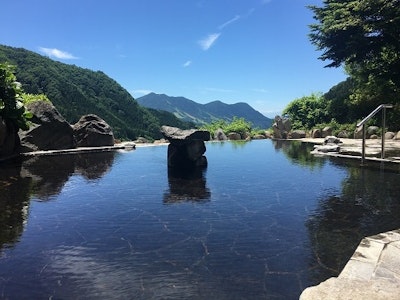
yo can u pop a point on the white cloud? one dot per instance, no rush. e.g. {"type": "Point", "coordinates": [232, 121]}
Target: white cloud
{"type": "Point", "coordinates": [187, 63]}
{"type": "Point", "coordinates": [208, 41]}
{"type": "Point", "coordinates": [234, 19]}
{"type": "Point", "coordinates": [53, 52]}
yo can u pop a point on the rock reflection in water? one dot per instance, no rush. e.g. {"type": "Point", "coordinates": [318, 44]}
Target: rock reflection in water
{"type": "Point", "coordinates": [41, 177]}
{"type": "Point", "coordinates": [50, 173]}
{"type": "Point", "coordinates": [187, 185]}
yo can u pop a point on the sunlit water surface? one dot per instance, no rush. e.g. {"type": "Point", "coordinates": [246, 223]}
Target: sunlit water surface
{"type": "Point", "coordinates": [263, 221]}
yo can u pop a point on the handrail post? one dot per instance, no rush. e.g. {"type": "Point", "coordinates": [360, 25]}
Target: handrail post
{"type": "Point", "coordinates": [363, 146]}
{"type": "Point", "coordinates": [383, 132]}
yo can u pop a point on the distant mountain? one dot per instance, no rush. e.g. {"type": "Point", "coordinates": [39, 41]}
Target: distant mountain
{"type": "Point", "coordinates": [189, 110]}
{"type": "Point", "coordinates": [76, 91]}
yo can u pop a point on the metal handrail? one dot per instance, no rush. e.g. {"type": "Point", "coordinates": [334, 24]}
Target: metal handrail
{"type": "Point", "coordinates": [362, 123]}
{"type": "Point", "coordinates": [373, 113]}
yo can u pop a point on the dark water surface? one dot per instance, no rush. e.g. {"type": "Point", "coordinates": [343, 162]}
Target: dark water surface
{"type": "Point", "coordinates": [263, 221]}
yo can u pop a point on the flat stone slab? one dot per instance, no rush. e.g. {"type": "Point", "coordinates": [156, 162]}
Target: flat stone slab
{"type": "Point", "coordinates": [174, 133]}
{"type": "Point", "coordinates": [353, 147]}
{"type": "Point", "coordinates": [81, 150]}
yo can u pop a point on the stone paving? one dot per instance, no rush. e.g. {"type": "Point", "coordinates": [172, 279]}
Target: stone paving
{"type": "Point", "coordinates": [373, 272]}
{"type": "Point", "coordinates": [352, 148]}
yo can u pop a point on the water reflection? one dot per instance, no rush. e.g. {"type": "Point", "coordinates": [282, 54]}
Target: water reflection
{"type": "Point", "coordinates": [367, 204]}
{"type": "Point", "coordinates": [187, 185]}
{"type": "Point", "coordinates": [41, 177]}
{"type": "Point", "coordinates": [14, 203]}
{"type": "Point", "coordinates": [50, 173]}
{"type": "Point", "coordinates": [299, 153]}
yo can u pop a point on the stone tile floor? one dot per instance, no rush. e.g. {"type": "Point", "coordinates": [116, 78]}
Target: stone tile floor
{"type": "Point", "coordinates": [373, 272]}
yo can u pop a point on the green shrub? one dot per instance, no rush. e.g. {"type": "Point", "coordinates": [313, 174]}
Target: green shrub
{"type": "Point", "coordinates": [239, 125]}
{"type": "Point", "coordinates": [28, 98]}
{"type": "Point", "coordinates": [12, 107]}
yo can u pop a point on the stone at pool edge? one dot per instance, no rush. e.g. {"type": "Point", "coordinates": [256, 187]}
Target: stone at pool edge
{"type": "Point", "coordinates": [186, 147]}
{"type": "Point", "coordinates": [371, 273]}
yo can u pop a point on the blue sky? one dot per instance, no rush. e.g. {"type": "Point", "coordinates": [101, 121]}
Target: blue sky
{"type": "Point", "coordinates": [254, 51]}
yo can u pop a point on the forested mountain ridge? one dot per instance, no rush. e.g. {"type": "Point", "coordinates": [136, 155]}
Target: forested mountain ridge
{"type": "Point", "coordinates": [192, 111]}
{"type": "Point", "coordinates": [76, 91]}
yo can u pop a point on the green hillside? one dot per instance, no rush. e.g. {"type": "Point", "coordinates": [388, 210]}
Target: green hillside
{"type": "Point", "coordinates": [76, 91]}
{"type": "Point", "coordinates": [189, 110]}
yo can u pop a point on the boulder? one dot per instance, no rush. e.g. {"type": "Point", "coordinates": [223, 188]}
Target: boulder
{"type": "Point", "coordinates": [316, 133]}
{"type": "Point", "coordinates": [246, 136]}
{"type": "Point", "coordinates": [330, 145]}
{"type": "Point", "coordinates": [277, 134]}
{"type": "Point", "coordinates": [142, 140]}
{"type": "Point", "coordinates": [219, 135]}
{"type": "Point", "coordinates": [358, 133]}
{"type": "Point", "coordinates": [92, 131]}
{"type": "Point", "coordinates": [389, 135]}
{"type": "Point", "coordinates": [281, 127]}
{"type": "Point", "coordinates": [48, 129]}
{"type": "Point", "coordinates": [372, 130]}
{"type": "Point", "coordinates": [326, 148]}
{"type": "Point", "coordinates": [397, 136]}
{"type": "Point", "coordinates": [297, 134]}
{"type": "Point", "coordinates": [186, 147]}
{"type": "Point", "coordinates": [343, 134]}
{"type": "Point", "coordinates": [234, 136]}
{"type": "Point", "coordinates": [331, 140]}
{"type": "Point", "coordinates": [327, 131]}
{"type": "Point", "coordinates": [268, 134]}
{"type": "Point", "coordinates": [259, 137]}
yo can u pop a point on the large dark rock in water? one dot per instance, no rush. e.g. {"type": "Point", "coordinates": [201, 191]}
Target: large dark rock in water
{"type": "Point", "coordinates": [92, 131]}
{"type": "Point", "coordinates": [186, 147]}
{"type": "Point", "coordinates": [48, 130]}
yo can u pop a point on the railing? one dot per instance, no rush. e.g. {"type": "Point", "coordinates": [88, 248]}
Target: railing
{"type": "Point", "coordinates": [365, 120]}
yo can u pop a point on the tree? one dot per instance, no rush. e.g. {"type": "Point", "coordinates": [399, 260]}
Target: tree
{"type": "Point", "coordinates": [361, 32]}
{"type": "Point", "coordinates": [306, 112]}
{"type": "Point", "coordinates": [364, 36]}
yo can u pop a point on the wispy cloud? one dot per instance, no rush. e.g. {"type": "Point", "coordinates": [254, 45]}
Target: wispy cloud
{"type": "Point", "coordinates": [208, 41]}
{"type": "Point", "coordinates": [56, 53]}
{"type": "Point", "coordinates": [234, 19]}
{"type": "Point", "coordinates": [265, 1]}
{"type": "Point", "coordinates": [187, 63]}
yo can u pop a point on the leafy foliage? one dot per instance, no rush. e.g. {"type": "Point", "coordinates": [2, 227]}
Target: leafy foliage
{"type": "Point", "coordinates": [12, 107]}
{"type": "Point", "coordinates": [76, 91]}
{"type": "Point", "coordinates": [362, 35]}
{"type": "Point", "coordinates": [238, 125]}
{"type": "Point", "coordinates": [28, 98]}
{"type": "Point", "coordinates": [360, 32]}
{"type": "Point", "coordinates": [307, 111]}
